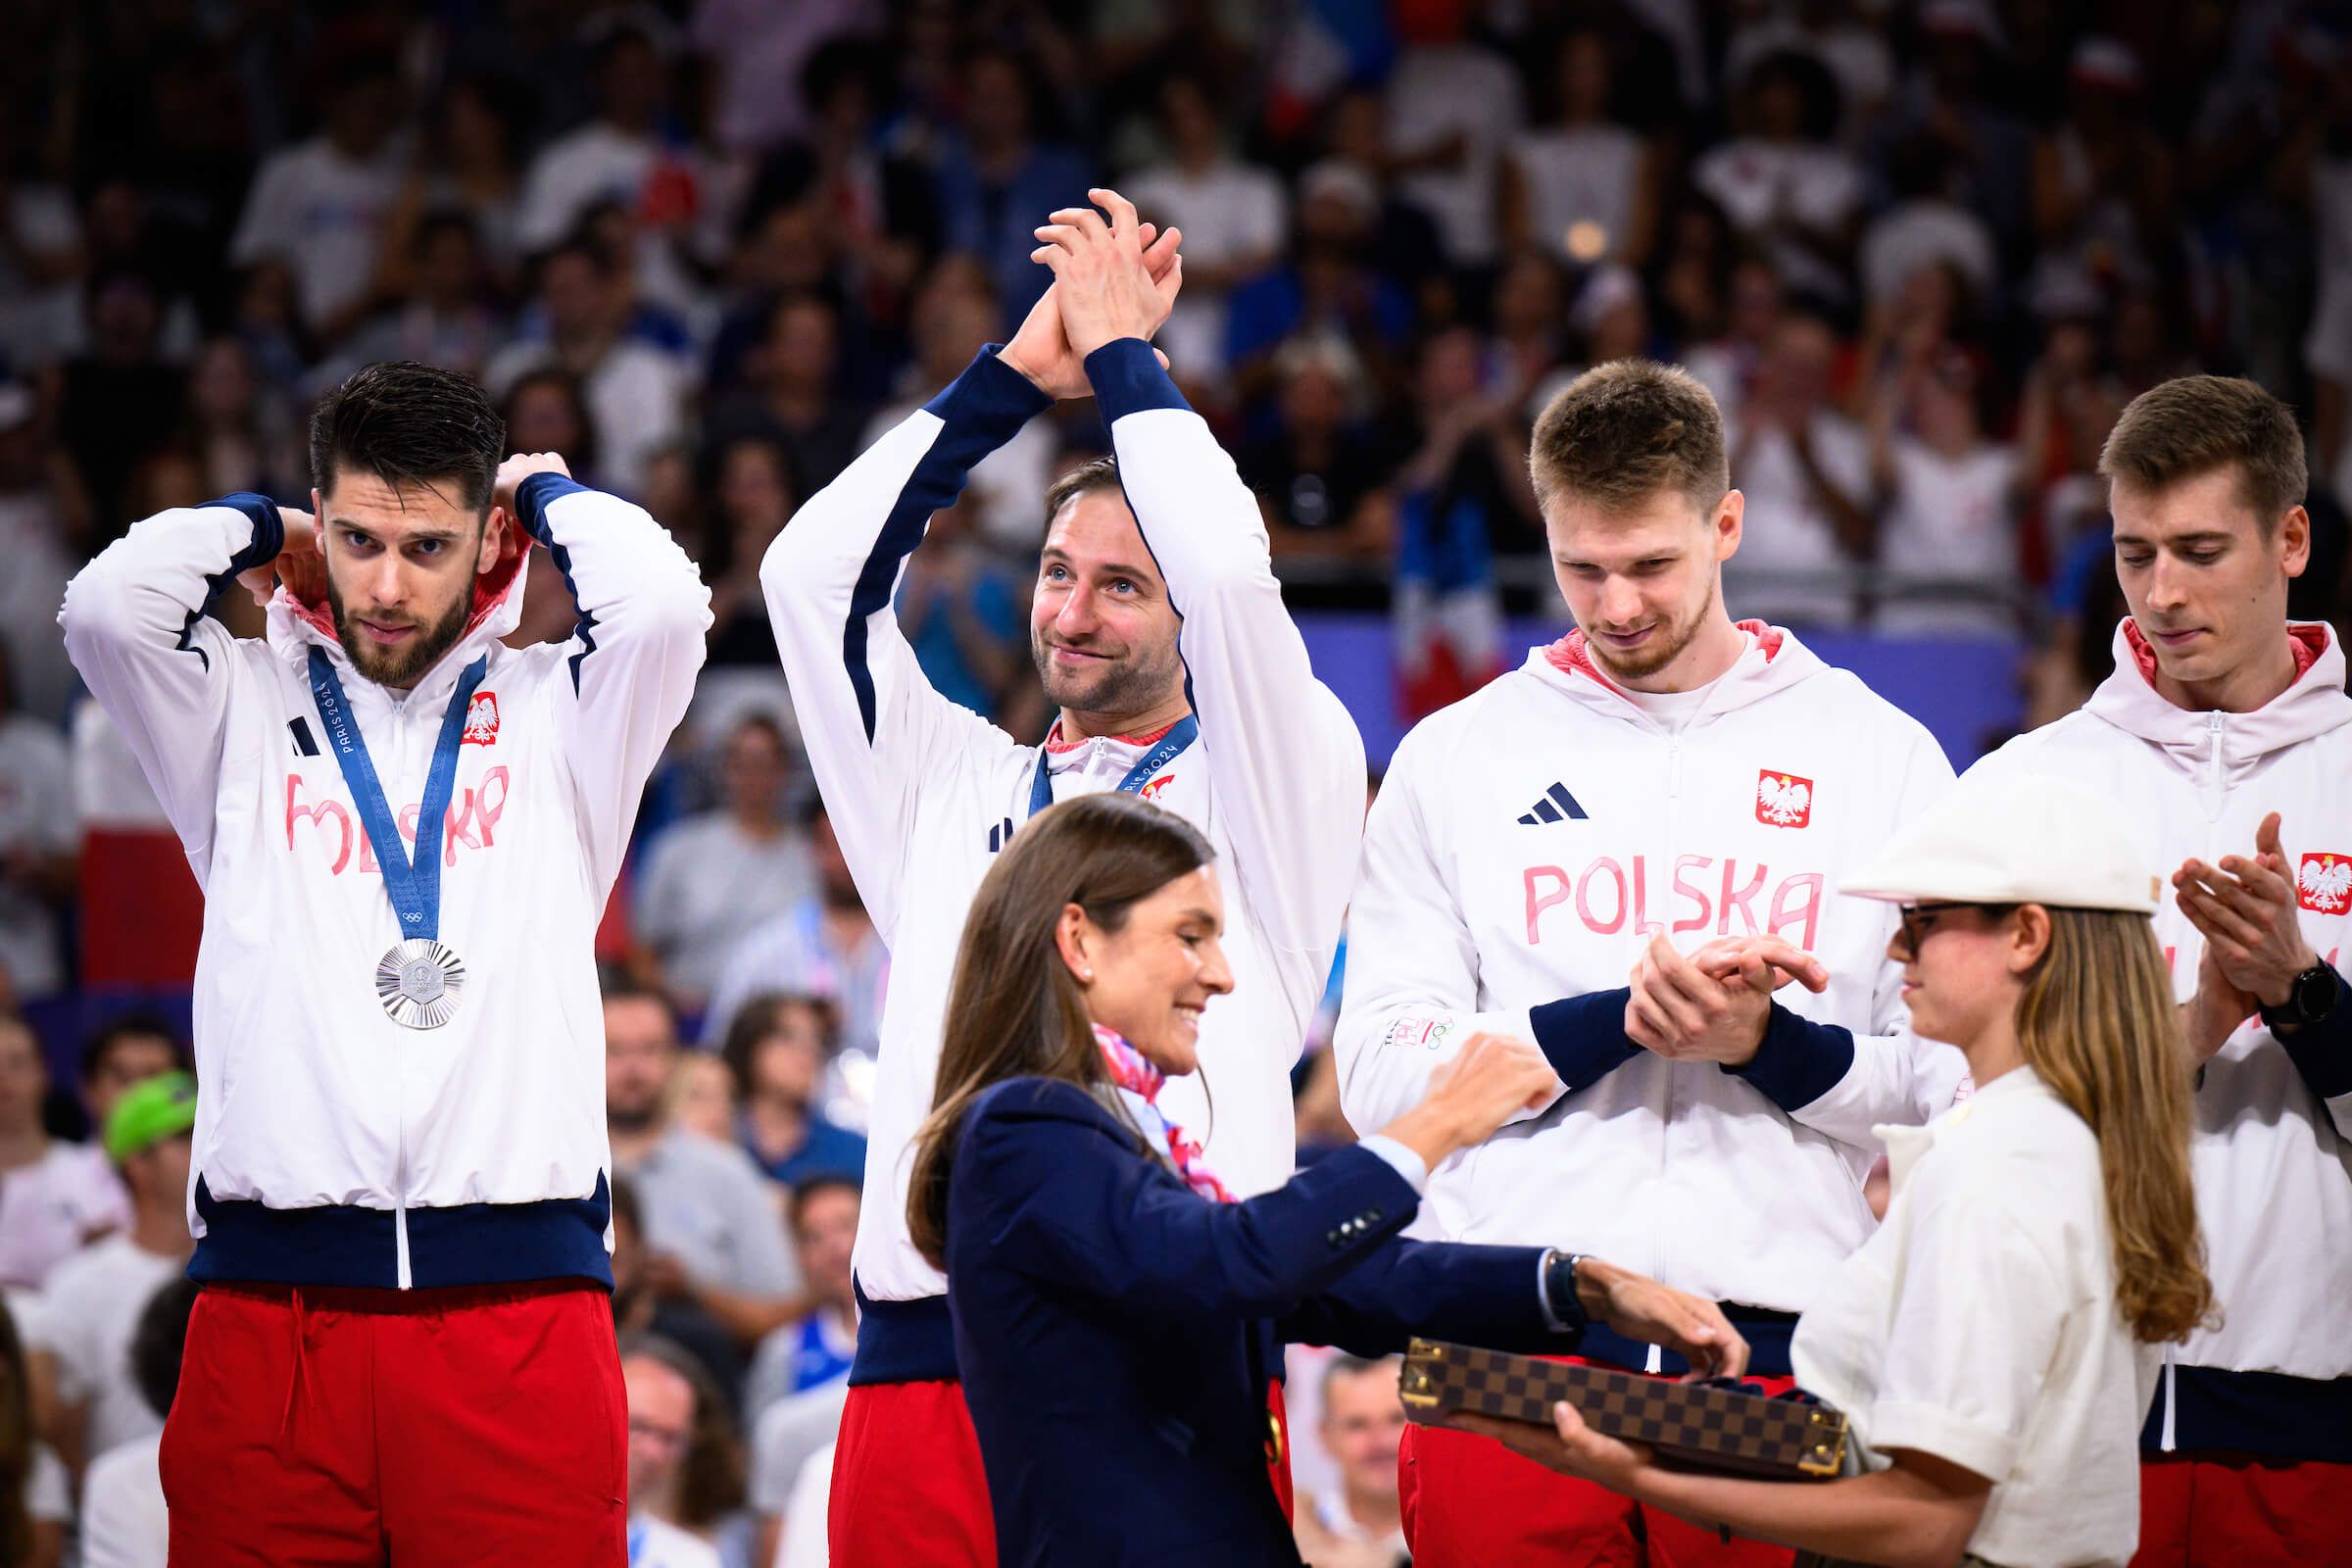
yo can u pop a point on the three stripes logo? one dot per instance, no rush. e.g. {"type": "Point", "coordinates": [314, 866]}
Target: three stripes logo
{"type": "Point", "coordinates": [1556, 805]}
{"type": "Point", "coordinates": [1000, 835]}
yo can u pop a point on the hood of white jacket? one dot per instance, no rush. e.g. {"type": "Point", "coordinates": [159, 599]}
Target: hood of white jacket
{"type": "Point", "coordinates": [1774, 661]}
{"type": "Point", "coordinates": [297, 625]}
{"type": "Point", "coordinates": [2313, 705]}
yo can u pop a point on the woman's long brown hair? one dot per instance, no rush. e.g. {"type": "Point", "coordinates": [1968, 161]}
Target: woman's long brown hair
{"type": "Point", "coordinates": [1013, 1010]}
{"type": "Point", "coordinates": [2097, 1024]}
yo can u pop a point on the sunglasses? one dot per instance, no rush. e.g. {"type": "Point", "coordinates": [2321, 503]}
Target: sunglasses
{"type": "Point", "coordinates": [1917, 920]}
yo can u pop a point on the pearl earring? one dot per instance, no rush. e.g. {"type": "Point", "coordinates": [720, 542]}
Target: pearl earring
{"type": "Point", "coordinates": [1085, 977]}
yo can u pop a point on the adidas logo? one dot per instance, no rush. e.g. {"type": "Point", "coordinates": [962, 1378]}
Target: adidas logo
{"type": "Point", "coordinates": [1554, 805]}
{"type": "Point", "coordinates": [1000, 835]}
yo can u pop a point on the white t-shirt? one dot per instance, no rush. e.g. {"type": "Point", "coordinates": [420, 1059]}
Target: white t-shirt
{"type": "Point", "coordinates": [55, 1206]}
{"type": "Point", "coordinates": [48, 1490]}
{"type": "Point", "coordinates": [1582, 174]}
{"type": "Point", "coordinates": [124, 1521]}
{"type": "Point", "coordinates": [804, 1542]}
{"type": "Point", "coordinates": [1789, 570]}
{"type": "Point", "coordinates": [657, 1544]}
{"type": "Point", "coordinates": [1950, 517]}
{"type": "Point", "coordinates": [707, 884]}
{"type": "Point", "coordinates": [37, 813]}
{"type": "Point", "coordinates": [1979, 1324]}
{"type": "Point", "coordinates": [1228, 211]}
{"type": "Point", "coordinates": [92, 1303]}
{"type": "Point", "coordinates": [1913, 234]}
{"type": "Point", "coordinates": [323, 213]}
{"type": "Point", "coordinates": [637, 397]}
{"type": "Point", "coordinates": [1759, 184]}
{"type": "Point", "coordinates": [1438, 92]}
{"type": "Point", "coordinates": [786, 1436]}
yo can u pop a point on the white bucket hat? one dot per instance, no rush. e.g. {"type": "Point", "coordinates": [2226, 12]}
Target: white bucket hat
{"type": "Point", "coordinates": [2013, 839]}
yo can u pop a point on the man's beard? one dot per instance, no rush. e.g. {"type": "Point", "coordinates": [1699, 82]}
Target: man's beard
{"type": "Point", "coordinates": [1664, 647]}
{"type": "Point", "coordinates": [400, 667]}
{"type": "Point", "coordinates": [1126, 685]}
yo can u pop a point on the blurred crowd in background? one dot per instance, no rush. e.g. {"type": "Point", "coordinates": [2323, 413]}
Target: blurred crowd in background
{"type": "Point", "coordinates": [1922, 251]}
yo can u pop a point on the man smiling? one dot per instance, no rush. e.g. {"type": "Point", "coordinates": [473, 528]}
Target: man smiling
{"type": "Point", "coordinates": [405, 833]}
{"type": "Point", "coordinates": [1159, 633]}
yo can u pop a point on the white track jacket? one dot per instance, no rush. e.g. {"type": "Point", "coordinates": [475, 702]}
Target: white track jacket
{"type": "Point", "coordinates": [332, 1146]}
{"type": "Point", "coordinates": [922, 793]}
{"type": "Point", "coordinates": [1528, 843]}
{"type": "Point", "coordinates": [2270, 1153]}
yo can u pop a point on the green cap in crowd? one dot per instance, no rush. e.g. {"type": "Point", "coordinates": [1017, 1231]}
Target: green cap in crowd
{"type": "Point", "coordinates": [150, 1111]}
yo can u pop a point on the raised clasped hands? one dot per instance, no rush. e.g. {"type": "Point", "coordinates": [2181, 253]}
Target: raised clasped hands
{"type": "Point", "coordinates": [1111, 279]}
{"type": "Point", "coordinates": [2245, 910]}
{"type": "Point", "coordinates": [1712, 1004]}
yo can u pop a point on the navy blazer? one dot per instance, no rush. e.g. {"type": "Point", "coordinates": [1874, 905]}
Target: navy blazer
{"type": "Point", "coordinates": [1116, 1330]}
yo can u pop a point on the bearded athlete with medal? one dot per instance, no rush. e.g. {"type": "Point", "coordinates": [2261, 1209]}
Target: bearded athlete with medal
{"type": "Point", "coordinates": [405, 832]}
{"type": "Point", "coordinates": [1159, 632]}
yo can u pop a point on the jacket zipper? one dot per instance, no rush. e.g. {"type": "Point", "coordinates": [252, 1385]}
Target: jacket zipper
{"type": "Point", "coordinates": [2213, 765]}
{"type": "Point", "coordinates": [400, 1114]}
{"type": "Point", "coordinates": [2171, 1402]}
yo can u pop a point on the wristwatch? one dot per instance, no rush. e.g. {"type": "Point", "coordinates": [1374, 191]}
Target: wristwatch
{"type": "Point", "coordinates": [1562, 1310]}
{"type": "Point", "coordinates": [2312, 998]}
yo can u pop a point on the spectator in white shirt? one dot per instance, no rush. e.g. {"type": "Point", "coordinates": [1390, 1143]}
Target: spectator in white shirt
{"type": "Point", "coordinates": [1583, 186]}
{"type": "Point", "coordinates": [55, 1196]}
{"type": "Point", "coordinates": [1359, 1525]}
{"type": "Point", "coordinates": [1805, 469]}
{"type": "Point", "coordinates": [320, 205]}
{"type": "Point", "coordinates": [815, 1352]}
{"type": "Point", "coordinates": [36, 1500]}
{"type": "Point", "coordinates": [713, 877]}
{"type": "Point", "coordinates": [124, 1521]}
{"type": "Point", "coordinates": [39, 844]}
{"type": "Point", "coordinates": [826, 947]}
{"type": "Point", "coordinates": [1951, 497]}
{"type": "Point", "coordinates": [1782, 182]}
{"type": "Point", "coordinates": [1233, 215]}
{"type": "Point", "coordinates": [684, 1469]}
{"type": "Point", "coordinates": [93, 1299]}
{"type": "Point", "coordinates": [1454, 107]}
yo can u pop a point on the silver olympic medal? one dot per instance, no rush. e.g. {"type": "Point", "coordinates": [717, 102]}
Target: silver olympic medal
{"type": "Point", "coordinates": [418, 983]}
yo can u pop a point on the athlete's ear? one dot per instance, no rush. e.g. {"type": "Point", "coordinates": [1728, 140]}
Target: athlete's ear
{"type": "Point", "coordinates": [2294, 541]}
{"type": "Point", "coordinates": [1731, 513]}
{"type": "Point", "coordinates": [494, 542]}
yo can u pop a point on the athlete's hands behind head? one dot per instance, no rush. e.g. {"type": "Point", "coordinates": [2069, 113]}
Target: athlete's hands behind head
{"type": "Point", "coordinates": [1041, 349]}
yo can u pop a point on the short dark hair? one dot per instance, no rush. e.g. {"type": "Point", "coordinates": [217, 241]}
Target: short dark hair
{"type": "Point", "coordinates": [805, 1191]}
{"type": "Point", "coordinates": [130, 1026]}
{"type": "Point", "coordinates": [2190, 427]}
{"type": "Point", "coordinates": [156, 1344]}
{"type": "Point", "coordinates": [763, 1015]}
{"type": "Point", "coordinates": [616, 986]}
{"type": "Point", "coordinates": [1346, 1365]}
{"type": "Point", "coordinates": [1622, 431]}
{"type": "Point", "coordinates": [409, 425]}
{"type": "Point", "coordinates": [1095, 473]}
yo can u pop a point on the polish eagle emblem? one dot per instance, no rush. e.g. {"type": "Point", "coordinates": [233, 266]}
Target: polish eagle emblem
{"type": "Point", "coordinates": [2323, 886]}
{"type": "Point", "coordinates": [1783, 800]}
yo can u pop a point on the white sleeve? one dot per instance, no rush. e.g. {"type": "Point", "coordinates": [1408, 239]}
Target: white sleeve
{"type": "Point", "coordinates": [136, 630]}
{"type": "Point", "coordinates": [1411, 985]}
{"type": "Point", "coordinates": [263, 227]}
{"type": "Point", "coordinates": [631, 660]}
{"type": "Point", "coordinates": [1896, 1077]}
{"type": "Point", "coordinates": [873, 726]}
{"type": "Point", "coordinates": [1284, 761]}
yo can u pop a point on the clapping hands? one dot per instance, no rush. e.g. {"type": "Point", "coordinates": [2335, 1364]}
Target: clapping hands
{"type": "Point", "coordinates": [1713, 1005]}
{"type": "Point", "coordinates": [1111, 280]}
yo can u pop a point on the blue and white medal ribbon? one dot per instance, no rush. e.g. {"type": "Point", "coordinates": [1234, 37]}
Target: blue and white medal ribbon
{"type": "Point", "coordinates": [1179, 736]}
{"type": "Point", "coordinates": [418, 979]}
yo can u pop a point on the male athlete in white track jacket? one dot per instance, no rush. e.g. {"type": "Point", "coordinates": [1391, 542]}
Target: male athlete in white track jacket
{"type": "Point", "coordinates": [1658, 791]}
{"type": "Point", "coordinates": [1218, 718]}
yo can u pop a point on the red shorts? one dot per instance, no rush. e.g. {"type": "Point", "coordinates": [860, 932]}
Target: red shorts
{"type": "Point", "coordinates": [1470, 1502]}
{"type": "Point", "coordinates": [2243, 1511]}
{"type": "Point", "coordinates": [361, 1427]}
{"type": "Point", "coordinates": [908, 1488]}
{"type": "Point", "coordinates": [908, 1491]}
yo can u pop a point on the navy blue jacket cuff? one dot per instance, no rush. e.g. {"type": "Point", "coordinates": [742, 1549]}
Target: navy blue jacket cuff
{"type": "Point", "coordinates": [1127, 379]}
{"type": "Point", "coordinates": [1584, 1037]}
{"type": "Point", "coordinates": [269, 530]}
{"type": "Point", "coordinates": [1799, 1060]}
{"type": "Point", "coordinates": [2322, 1051]}
{"type": "Point", "coordinates": [990, 397]}
{"type": "Point", "coordinates": [535, 495]}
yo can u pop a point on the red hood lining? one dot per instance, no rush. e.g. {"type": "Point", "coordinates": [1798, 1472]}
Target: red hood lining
{"type": "Point", "coordinates": [1570, 655]}
{"type": "Point", "coordinates": [1057, 744]}
{"type": "Point", "coordinates": [490, 590]}
{"type": "Point", "coordinates": [2305, 643]}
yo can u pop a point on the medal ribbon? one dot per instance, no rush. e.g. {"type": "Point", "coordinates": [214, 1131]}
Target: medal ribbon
{"type": "Point", "coordinates": [1183, 733]}
{"type": "Point", "coordinates": [415, 887]}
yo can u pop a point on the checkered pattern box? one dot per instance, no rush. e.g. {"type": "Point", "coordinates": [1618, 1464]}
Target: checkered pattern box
{"type": "Point", "coordinates": [1706, 1426]}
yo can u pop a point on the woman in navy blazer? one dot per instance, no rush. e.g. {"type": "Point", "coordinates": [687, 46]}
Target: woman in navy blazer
{"type": "Point", "coordinates": [1117, 1314]}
